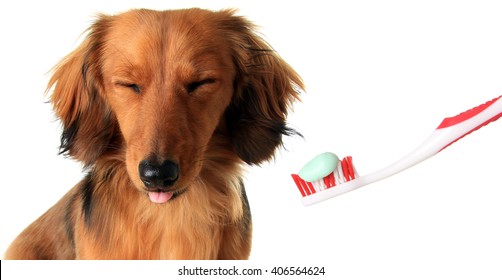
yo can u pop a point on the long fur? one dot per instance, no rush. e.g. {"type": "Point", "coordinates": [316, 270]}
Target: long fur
{"type": "Point", "coordinates": [193, 86]}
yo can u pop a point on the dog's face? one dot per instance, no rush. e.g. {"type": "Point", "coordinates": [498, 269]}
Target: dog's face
{"type": "Point", "coordinates": [158, 86]}
{"type": "Point", "coordinates": [168, 84]}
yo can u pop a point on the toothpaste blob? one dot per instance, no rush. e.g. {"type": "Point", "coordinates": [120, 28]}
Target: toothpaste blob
{"type": "Point", "coordinates": [319, 167]}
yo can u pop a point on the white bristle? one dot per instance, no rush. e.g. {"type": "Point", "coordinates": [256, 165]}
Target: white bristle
{"type": "Point", "coordinates": [339, 178]}
{"type": "Point", "coordinates": [319, 185]}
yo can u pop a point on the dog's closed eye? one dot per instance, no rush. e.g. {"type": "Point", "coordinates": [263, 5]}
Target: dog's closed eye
{"type": "Point", "coordinates": [134, 87]}
{"type": "Point", "coordinates": [193, 86]}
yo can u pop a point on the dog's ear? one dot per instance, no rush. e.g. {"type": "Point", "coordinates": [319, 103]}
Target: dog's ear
{"type": "Point", "coordinates": [77, 100]}
{"type": "Point", "coordinates": [265, 88]}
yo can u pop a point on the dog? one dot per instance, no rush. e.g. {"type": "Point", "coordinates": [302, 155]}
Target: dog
{"type": "Point", "coordinates": [164, 109]}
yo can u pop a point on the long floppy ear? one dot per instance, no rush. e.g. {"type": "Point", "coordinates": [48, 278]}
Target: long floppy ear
{"type": "Point", "coordinates": [88, 123]}
{"type": "Point", "coordinates": [266, 86]}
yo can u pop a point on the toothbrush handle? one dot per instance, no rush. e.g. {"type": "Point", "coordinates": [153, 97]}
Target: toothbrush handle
{"type": "Point", "coordinates": [468, 114]}
{"type": "Point", "coordinates": [449, 131]}
{"type": "Point", "coordinates": [471, 120]}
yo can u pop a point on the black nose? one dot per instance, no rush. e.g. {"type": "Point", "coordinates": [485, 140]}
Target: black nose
{"type": "Point", "coordinates": [156, 175]}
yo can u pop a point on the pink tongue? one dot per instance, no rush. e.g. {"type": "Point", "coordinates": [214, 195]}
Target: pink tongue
{"type": "Point", "coordinates": [160, 197]}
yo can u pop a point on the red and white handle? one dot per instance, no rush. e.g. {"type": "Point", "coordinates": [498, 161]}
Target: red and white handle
{"type": "Point", "coordinates": [473, 119]}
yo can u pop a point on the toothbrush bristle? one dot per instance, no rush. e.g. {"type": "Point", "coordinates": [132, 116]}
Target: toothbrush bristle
{"type": "Point", "coordinates": [329, 180]}
{"type": "Point", "coordinates": [348, 169]}
{"type": "Point", "coordinates": [344, 172]}
{"type": "Point", "coordinates": [306, 188]}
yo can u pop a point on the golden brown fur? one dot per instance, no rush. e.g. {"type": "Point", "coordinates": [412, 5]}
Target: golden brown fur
{"type": "Point", "coordinates": [194, 87]}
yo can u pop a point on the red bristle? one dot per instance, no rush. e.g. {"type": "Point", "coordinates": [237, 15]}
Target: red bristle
{"type": "Point", "coordinates": [329, 180]}
{"type": "Point", "coordinates": [311, 187]}
{"type": "Point", "coordinates": [305, 186]}
{"type": "Point", "coordinates": [345, 169]}
{"type": "Point", "coordinates": [326, 181]}
{"type": "Point", "coordinates": [298, 183]}
{"type": "Point", "coordinates": [350, 168]}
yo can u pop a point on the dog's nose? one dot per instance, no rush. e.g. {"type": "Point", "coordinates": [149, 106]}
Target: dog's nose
{"type": "Point", "coordinates": [156, 175]}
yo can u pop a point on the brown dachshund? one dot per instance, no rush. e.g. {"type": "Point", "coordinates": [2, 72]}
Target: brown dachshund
{"type": "Point", "coordinates": [163, 108]}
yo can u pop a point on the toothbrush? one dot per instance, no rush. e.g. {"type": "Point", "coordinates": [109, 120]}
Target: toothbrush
{"type": "Point", "coordinates": [326, 176]}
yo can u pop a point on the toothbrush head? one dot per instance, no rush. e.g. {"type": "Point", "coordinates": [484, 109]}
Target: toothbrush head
{"type": "Point", "coordinates": [323, 172]}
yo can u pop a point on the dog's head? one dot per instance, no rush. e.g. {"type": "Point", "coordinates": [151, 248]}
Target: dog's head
{"type": "Point", "coordinates": [159, 86]}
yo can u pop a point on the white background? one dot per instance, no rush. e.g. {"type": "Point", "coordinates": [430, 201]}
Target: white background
{"type": "Point", "coordinates": [380, 77]}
